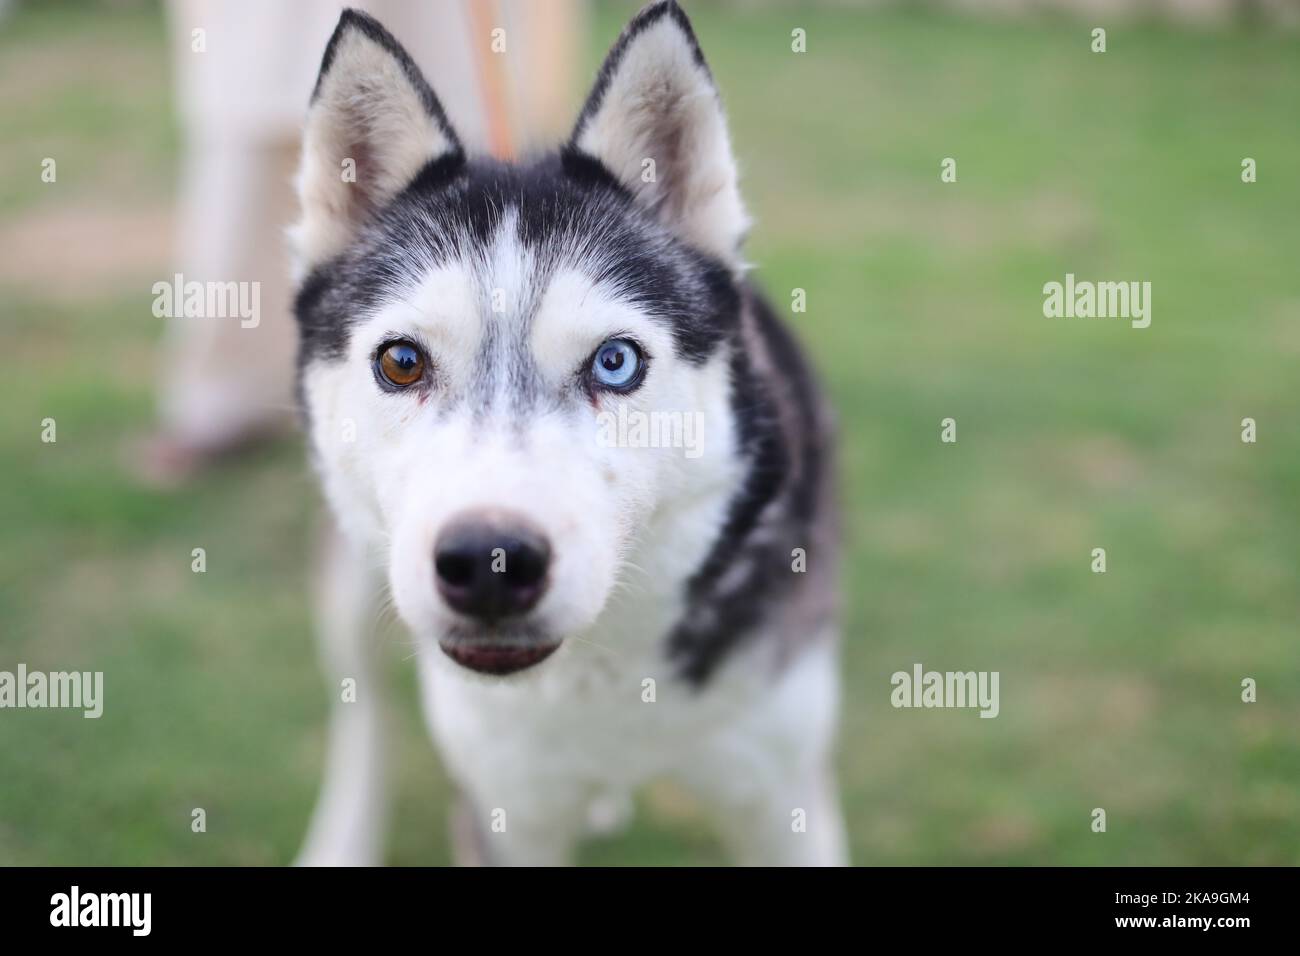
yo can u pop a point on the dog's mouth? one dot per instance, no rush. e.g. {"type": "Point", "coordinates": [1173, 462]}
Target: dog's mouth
{"type": "Point", "coordinates": [498, 659]}
{"type": "Point", "coordinates": [497, 653]}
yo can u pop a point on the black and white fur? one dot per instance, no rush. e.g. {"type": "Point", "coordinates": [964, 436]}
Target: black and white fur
{"type": "Point", "coordinates": [665, 568]}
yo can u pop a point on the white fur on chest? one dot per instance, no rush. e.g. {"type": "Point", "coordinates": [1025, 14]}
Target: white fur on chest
{"type": "Point", "coordinates": [585, 726]}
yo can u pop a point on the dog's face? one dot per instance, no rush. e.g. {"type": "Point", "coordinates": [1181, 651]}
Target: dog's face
{"type": "Point", "coordinates": [482, 341]}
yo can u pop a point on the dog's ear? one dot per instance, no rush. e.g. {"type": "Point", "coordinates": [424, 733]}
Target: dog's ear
{"type": "Point", "coordinates": [372, 125]}
{"type": "Point", "coordinates": [654, 120]}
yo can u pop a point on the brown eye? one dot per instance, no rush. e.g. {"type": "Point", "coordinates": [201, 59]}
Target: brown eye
{"type": "Point", "coordinates": [401, 364]}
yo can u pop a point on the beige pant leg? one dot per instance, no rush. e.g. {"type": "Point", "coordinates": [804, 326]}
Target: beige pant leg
{"type": "Point", "coordinates": [220, 379]}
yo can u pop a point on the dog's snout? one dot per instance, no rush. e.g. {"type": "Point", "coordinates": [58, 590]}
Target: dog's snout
{"type": "Point", "coordinates": [491, 566]}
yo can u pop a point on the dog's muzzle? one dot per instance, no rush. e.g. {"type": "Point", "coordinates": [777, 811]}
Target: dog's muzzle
{"type": "Point", "coordinates": [491, 569]}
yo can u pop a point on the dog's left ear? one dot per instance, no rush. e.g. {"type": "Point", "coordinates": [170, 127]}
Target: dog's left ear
{"type": "Point", "coordinates": [654, 120]}
{"type": "Point", "coordinates": [373, 124]}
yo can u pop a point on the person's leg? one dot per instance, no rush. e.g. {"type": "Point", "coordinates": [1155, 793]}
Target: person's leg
{"type": "Point", "coordinates": [227, 377]}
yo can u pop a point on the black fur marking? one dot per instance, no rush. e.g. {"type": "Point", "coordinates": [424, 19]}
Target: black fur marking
{"type": "Point", "coordinates": [588, 171]}
{"type": "Point", "coordinates": [372, 29]}
{"type": "Point", "coordinates": [643, 21]}
{"type": "Point", "coordinates": [568, 211]}
{"type": "Point", "coordinates": [773, 512]}
{"type": "Point", "coordinates": [439, 173]}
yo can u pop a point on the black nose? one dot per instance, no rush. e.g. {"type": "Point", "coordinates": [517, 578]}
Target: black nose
{"type": "Point", "coordinates": [491, 567]}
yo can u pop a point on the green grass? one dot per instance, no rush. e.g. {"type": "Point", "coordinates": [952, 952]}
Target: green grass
{"type": "Point", "coordinates": [1118, 690]}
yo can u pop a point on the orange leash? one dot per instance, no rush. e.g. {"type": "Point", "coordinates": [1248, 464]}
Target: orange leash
{"type": "Point", "coordinates": [491, 74]}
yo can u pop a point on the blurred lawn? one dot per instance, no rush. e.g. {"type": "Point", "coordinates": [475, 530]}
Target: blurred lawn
{"type": "Point", "coordinates": [1118, 690]}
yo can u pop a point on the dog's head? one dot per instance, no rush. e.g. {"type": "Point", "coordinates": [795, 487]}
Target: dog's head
{"type": "Point", "coordinates": [493, 353]}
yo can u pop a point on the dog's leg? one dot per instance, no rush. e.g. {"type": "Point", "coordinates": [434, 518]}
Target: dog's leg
{"type": "Point", "coordinates": [767, 780]}
{"type": "Point", "coordinates": [546, 839]}
{"type": "Point", "coordinates": [503, 833]}
{"type": "Point", "coordinates": [469, 845]}
{"type": "Point", "coordinates": [347, 826]}
{"type": "Point", "coordinates": [789, 821]}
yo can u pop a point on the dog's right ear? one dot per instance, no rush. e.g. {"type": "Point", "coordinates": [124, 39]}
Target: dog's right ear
{"type": "Point", "coordinates": [372, 125]}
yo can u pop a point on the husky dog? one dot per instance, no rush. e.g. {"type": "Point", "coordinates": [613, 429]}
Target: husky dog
{"type": "Point", "coordinates": [590, 612]}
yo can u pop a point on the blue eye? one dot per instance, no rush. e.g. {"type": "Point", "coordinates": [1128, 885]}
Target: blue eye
{"type": "Point", "coordinates": [617, 365]}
